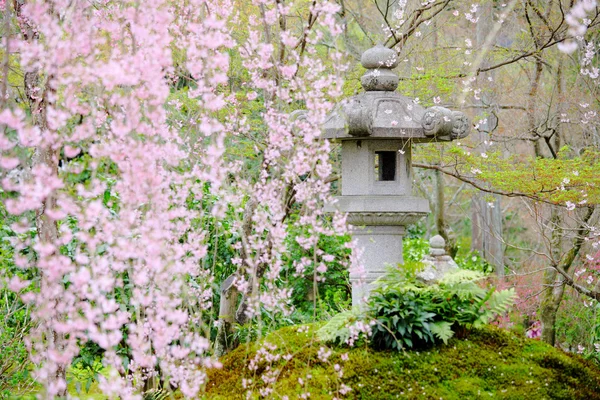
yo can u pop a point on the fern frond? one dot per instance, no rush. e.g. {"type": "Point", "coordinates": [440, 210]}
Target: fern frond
{"type": "Point", "coordinates": [442, 330]}
{"type": "Point", "coordinates": [467, 290]}
{"type": "Point", "coordinates": [498, 303]}
{"type": "Point", "coordinates": [156, 394]}
{"type": "Point", "coordinates": [337, 327]}
{"type": "Point", "coordinates": [502, 301]}
{"type": "Point", "coordinates": [460, 276]}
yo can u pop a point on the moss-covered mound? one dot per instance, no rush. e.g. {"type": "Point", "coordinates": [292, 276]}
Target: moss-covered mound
{"type": "Point", "coordinates": [490, 363]}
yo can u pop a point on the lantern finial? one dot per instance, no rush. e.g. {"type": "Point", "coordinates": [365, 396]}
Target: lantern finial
{"type": "Point", "coordinates": [379, 62]}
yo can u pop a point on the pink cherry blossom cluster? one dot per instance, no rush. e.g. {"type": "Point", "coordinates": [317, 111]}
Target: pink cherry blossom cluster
{"type": "Point", "coordinates": [122, 263]}
{"type": "Point", "coordinates": [285, 72]}
{"type": "Point", "coordinates": [105, 66]}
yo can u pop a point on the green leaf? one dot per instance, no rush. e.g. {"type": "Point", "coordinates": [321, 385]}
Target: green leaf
{"type": "Point", "coordinates": [442, 330]}
{"type": "Point", "coordinates": [337, 327]}
{"type": "Point", "coordinates": [502, 301]}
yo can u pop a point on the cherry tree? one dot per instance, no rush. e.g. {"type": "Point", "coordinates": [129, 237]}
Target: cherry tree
{"type": "Point", "coordinates": [122, 127]}
{"type": "Point", "coordinates": [97, 160]}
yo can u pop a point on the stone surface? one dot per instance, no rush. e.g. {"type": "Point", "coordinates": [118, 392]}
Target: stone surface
{"type": "Point", "coordinates": [379, 57]}
{"type": "Point", "coordinates": [384, 219]}
{"type": "Point", "coordinates": [380, 80]}
{"type": "Point", "coordinates": [389, 115]}
{"type": "Point", "coordinates": [382, 113]}
{"type": "Point", "coordinates": [444, 124]}
{"type": "Point", "coordinates": [380, 204]}
{"type": "Point", "coordinates": [437, 263]}
{"type": "Point", "coordinates": [381, 248]}
{"type": "Point", "coordinates": [358, 168]}
{"type": "Point", "coordinates": [379, 62]}
{"type": "Point", "coordinates": [437, 242]}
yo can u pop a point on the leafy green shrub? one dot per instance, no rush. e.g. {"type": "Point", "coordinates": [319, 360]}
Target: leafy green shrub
{"type": "Point", "coordinates": [407, 313]}
{"type": "Point", "coordinates": [415, 248]}
{"type": "Point", "coordinates": [14, 326]}
{"type": "Point", "coordinates": [403, 319]}
{"type": "Point", "coordinates": [578, 326]}
{"type": "Point", "coordinates": [337, 330]}
{"type": "Point", "coordinates": [416, 230]}
{"type": "Point", "coordinates": [15, 316]}
{"type": "Point", "coordinates": [333, 287]}
{"type": "Point", "coordinates": [473, 261]}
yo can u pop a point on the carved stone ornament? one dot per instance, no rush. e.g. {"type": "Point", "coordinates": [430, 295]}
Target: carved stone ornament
{"type": "Point", "coordinates": [444, 124]}
{"type": "Point", "coordinates": [379, 62]}
{"type": "Point", "coordinates": [384, 218]}
{"type": "Point", "coordinates": [460, 125]}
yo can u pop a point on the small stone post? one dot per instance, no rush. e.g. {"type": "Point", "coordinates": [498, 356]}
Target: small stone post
{"type": "Point", "coordinates": [437, 263]}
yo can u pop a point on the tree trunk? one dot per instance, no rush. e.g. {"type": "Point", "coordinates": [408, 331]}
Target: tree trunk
{"type": "Point", "coordinates": [551, 298]}
{"type": "Point", "coordinates": [227, 309]}
{"type": "Point", "coordinates": [229, 312]}
{"type": "Point", "coordinates": [553, 286]}
{"type": "Point", "coordinates": [47, 229]}
{"type": "Point", "coordinates": [486, 234]}
{"type": "Point", "coordinates": [553, 281]}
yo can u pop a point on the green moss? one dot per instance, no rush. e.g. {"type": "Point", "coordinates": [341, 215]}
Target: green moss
{"type": "Point", "coordinates": [489, 363]}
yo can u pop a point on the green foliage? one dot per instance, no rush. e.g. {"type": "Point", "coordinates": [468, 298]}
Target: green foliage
{"type": "Point", "coordinates": [473, 261]}
{"type": "Point", "coordinates": [410, 314]}
{"type": "Point", "coordinates": [86, 367]}
{"type": "Point", "coordinates": [416, 230]}
{"type": "Point", "coordinates": [498, 303]}
{"type": "Point", "coordinates": [15, 317]}
{"type": "Point", "coordinates": [442, 330]}
{"type": "Point", "coordinates": [553, 180]}
{"type": "Point", "coordinates": [156, 394]}
{"type": "Point", "coordinates": [426, 85]}
{"type": "Point", "coordinates": [578, 325]}
{"type": "Point", "coordinates": [15, 323]}
{"type": "Point", "coordinates": [403, 319]}
{"type": "Point", "coordinates": [337, 329]}
{"type": "Point", "coordinates": [414, 249]}
{"type": "Point", "coordinates": [85, 370]}
{"type": "Point", "coordinates": [333, 291]}
{"type": "Point", "coordinates": [493, 364]}
{"type": "Point", "coordinates": [268, 322]}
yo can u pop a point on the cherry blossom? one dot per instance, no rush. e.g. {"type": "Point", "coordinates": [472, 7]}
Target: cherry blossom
{"type": "Point", "coordinates": [119, 179]}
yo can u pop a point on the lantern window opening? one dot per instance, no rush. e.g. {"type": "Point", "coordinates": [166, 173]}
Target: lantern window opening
{"type": "Point", "coordinates": [385, 165]}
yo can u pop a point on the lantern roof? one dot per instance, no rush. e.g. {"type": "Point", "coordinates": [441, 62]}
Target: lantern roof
{"type": "Point", "coordinates": [381, 113]}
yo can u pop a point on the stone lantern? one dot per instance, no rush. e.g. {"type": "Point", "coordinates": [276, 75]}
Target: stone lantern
{"type": "Point", "coordinates": [376, 130]}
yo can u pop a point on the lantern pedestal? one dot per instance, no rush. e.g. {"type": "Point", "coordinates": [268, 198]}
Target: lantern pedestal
{"type": "Point", "coordinates": [378, 235]}
{"type": "Point", "coordinates": [380, 247]}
